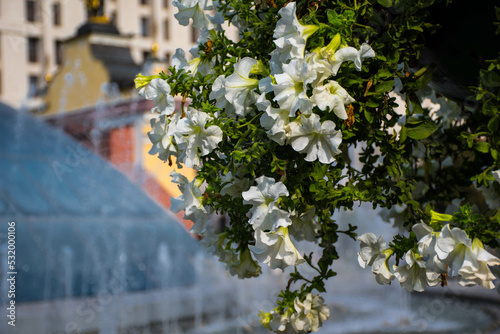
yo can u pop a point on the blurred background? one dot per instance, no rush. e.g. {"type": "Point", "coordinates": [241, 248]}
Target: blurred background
{"type": "Point", "coordinates": [97, 249]}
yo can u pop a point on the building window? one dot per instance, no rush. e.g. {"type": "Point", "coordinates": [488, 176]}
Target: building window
{"type": "Point", "coordinates": [166, 3]}
{"type": "Point", "coordinates": [195, 33]}
{"type": "Point", "coordinates": [59, 54]}
{"type": "Point", "coordinates": [56, 14]}
{"type": "Point", "coordinates": [33, 49]}
{"type": "Point", "coordinates": [166, 30]}
{"type": "Point", "coordinates": [146, 55]}
{"type": "Point", "coordinates": [168, 57]}
{"type": "Point", "coordinates": [31, 11]}
{"type": "Point", "coordinates": [145, 27]}
{"type": "Point", "coordinates": [32, 85]}
{"type": "Point", "coordinates": [144, 2]}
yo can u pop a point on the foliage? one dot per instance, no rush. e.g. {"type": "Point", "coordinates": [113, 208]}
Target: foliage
{"type": "Point", "coordinates": [421, 160]}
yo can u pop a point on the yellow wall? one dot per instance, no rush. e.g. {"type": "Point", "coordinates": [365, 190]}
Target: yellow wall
{"type": "Point", "coordinates": [80, 80]}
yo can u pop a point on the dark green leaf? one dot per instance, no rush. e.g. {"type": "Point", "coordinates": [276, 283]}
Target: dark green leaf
{"type": "Point", "coordinates": [422, 131]}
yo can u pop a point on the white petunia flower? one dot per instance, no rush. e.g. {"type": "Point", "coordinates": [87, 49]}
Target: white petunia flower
{"type": "Point", "coordinates": [218, 94]}
{"type": "Point", "coordinates": [319, 66]}
{"type": "Point", "coordinates": [275, 120]}
{"type": "Point", "coordinates": [380, 268]}
{"type": "Point", "coordinates": [291, 87]}
{"type": "Point", "coordinates": [319, 140]}
{"type": "Point", "coordinates": [451, 246]}
{"type": "Point", "coordinates": [193, 66]}
{"type": "Point", "coordinates": [199, 140]}
{"type": "Point", "coordinates": [371, 249]}
{"type": "Point", "coordinates": [350, 53]}
{"type": "Point", "coordinates": [240, 88]}
{"type": "Point", "coordinates": [328, 52]}
{"type": "Point", "coordinates": [191, 202]}
{"type": "Point", "coordinates": [415, 276]}
{"type": "Point", "coordinates": [194, 9]}
{"type": "Point", "coordinates": [427, 247]}
{"type": "Point", "coordinates": [466, 258]}
{"type": "Point", "coordinates": [496, 175]}
{"type": "Point", "coordinates": [246, 266]}
{"type": "Point", "coordinates": [265, 213]}
{"type": "Point", "coordinates": [310, 314]}
{"type": "Point", "coordinates": [305, 226]}
{"type": "Point", "coordinates": [162, 137]}
{"type": "Point", "coordinates": [210, 240]}
{"type": "Point", "coordinates": [332, 96]}
{"type": "Point", "coordinates": [281, 322]}
{"type": "Point", "coordinates": [234, 186]}
{"type": "Point", "coordinates": [478, 272]}
{"type": "Point", "coordinates": [158, 91]}
{"type": "Point", "coordinates": [223, 251]}
{"type": "Point", "coordinates": [276, 249]}
{"type": "Point", "coordinates": [290, 35]}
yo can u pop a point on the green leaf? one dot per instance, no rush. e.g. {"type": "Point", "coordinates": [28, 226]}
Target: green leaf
{"type": "Point", "coordinates": [424, 76]}
{"type": "Point", "coordinates": [386, 3]}
{"type": "Point", "coordinates": [384, 86]}
{"type": "Point", "coordinates": [403, 134]}
{"type": "Point", "coordinates": [440, 217]}
{"type": "Point", "coordinates": [494, 154]}
{"type": "Point", "coordinates": [421, 131]}
{"type": "Point", "coordinates": [493, 124]}
{"type": "Point", "coordinates": [415, 102]}
{"type": "Point", "coordinates": [368, 116]}
{"type": "Point", "coordinates": [482, 147]}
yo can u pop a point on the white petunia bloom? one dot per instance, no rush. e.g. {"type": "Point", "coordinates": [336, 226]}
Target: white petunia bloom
{"type": "Point", "coordinates": [265, 213]}
{"type": "Point", "coordinates": [218, 94]}
{"type": "Point", "coordinates": [478, 272]}
{"type": "Point", "coordinates": [371, 249]}
{"type": "Point", "coordinates": [427, 247]}
{"type": "Point", "coordinates": [199, 140]}
{"type": "Point", "coordinates": [276, 249]}
{"type": "Point", "coordinates": [158, 91]}
{"type": "Point", "coordinates": [290, 35]}
{"type": "Point", "coordinates": [162, 137]}
{"type": "Point", "coordinates": [350, 53]}
{"type": "Point", "coordinates": [380, 268]}
{"type": "Point", "coordinates": [319, 66]}
{"type": "Point", "coordinates": [191, 202]}
{"type": "Point", "coordinates": [291, 87]}
{"type": "Point", "coordinates": [466, 258]}
{"type": "Point", "coordinates": [246, 266]}
{"type": "Point", "coordinates": [275, 120]}
{"type": "Point", "coordinates": [194, 65]}
{"type": "Point", "coordinates": [194, 9]}
{"type": "Point", "coordinates": [415, 276]}
{"type": "Point", "coordinates": [451, 247]}
{"type": "Point", "coordinates": [496, 175]}
{"type": "Point", "coordinates": [240, 88]}
{"type": "Point", "coordinates": [319, 140]}
{"type": "Point", "coordinates": [332, 96]}
{"type": "Point", "coordinates": [234, 186]}
{"type": "Point", "coordinates": [305, 226]}
{"type": "Point", "coordinates": [222, 250]}
{"type": "Point", "coordinates": [310, 314]}
{"type": "Point", "coordinates": [281, 323]}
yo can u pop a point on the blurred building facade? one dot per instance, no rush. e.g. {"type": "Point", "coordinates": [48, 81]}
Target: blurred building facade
{"type": "Point", "coordinates": [32, 33]}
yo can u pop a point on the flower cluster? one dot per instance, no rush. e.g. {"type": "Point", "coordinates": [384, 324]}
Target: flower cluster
{"type": "Point", "coordinates": [293, 91]}
{"type": "Point", "coordinates": [293, 122]}
{"type": "Point", "coordinates": [448, 252]}
{"type": "Point", "coordinates": [306, 316]}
